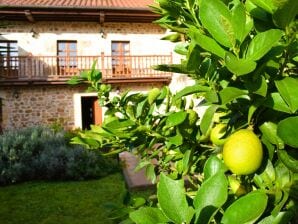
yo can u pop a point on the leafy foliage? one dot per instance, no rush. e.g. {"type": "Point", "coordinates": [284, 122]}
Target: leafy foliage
{"type": "Point", "coordinates": [243, 57]}
{"type": "Point", "coordinates": [41, 153]}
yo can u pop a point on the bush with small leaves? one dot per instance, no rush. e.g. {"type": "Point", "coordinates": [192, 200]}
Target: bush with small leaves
{"type": "Point", "coordinates": [43, 153]}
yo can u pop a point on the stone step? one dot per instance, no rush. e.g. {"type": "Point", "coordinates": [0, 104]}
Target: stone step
{"type": "Point", "coordinates": [134, 180]}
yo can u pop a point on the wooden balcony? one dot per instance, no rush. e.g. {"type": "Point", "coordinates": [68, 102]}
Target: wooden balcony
{"type": "Point", "coordinates": [57, 69]}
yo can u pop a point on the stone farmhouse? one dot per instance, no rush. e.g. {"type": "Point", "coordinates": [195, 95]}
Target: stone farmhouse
{"type": "Point", "coordinates": [45, 42]}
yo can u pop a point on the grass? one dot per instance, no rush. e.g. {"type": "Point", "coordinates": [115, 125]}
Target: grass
{"type": "Point", "coordinates": [61, 202]}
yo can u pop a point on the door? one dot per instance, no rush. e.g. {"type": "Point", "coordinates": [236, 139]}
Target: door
{"type": "Point", "coordinates": [97, 112]}
{"type": "Point", "coordinates": [91, 112]}
{"type": "Point", "coordinates": [121, 61]}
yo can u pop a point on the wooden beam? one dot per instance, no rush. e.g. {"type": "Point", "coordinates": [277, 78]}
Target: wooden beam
{"type": "Point", "coordinates": [29, 16]}
{"type": "Point", "coordinates": [101, 17]}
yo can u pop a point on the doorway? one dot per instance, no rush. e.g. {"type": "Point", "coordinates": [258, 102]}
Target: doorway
{"type": "Point", "coordinates": [91, 111]}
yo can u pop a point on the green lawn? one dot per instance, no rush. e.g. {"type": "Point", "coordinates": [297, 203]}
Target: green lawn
{"type": "Point", "coordinates": [60, 202]}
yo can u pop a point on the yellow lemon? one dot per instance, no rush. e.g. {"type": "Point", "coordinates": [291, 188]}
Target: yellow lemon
{"type": "Point", "coordinates": [243, 152]}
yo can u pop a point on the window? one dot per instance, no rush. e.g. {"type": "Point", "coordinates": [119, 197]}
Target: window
{"type": "Point", "coordinates": [9, 61]}
{"type": "Point", "coordinates": [67, 57]}
{"type": "Point", "coordinates": [121, 63]}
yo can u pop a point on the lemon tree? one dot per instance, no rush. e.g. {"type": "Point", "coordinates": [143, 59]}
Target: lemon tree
{"type": "Point", "coordinates": [243, 56]}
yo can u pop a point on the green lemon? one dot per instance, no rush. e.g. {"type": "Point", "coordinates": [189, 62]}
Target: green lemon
{"type": "Point", "coordinates": [243, 152]}
{"type": "Point", "coordinates": [217, 133]}
{"type": "Point", "coordinates": [188, 125]}
{"type": "Point", "coordinates": [152, 95]}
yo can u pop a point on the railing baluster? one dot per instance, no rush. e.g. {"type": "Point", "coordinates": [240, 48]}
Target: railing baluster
{"type": "Point", "coordinates": [60, 68]}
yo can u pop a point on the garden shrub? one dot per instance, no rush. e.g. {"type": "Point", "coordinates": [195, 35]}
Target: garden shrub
{"type": "Point", "coordinates": [43, 153]}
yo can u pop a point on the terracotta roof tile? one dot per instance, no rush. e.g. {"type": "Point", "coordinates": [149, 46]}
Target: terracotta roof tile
{"type": "Point", "coordinates": [79, 3]}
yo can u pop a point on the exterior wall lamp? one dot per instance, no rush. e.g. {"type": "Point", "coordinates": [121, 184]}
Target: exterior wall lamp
{"type": "Point", "coordinates": [34, 34]}
{"type": "Point", "coordinates": [16, 94]}
{"type": "Point", "coordinates": [102, 33]}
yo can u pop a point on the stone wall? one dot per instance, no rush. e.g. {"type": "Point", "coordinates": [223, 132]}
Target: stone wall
{"type": "Point", "coordinates": [25, 106]}
{"type": "Point", "coordinates": [38, 105]}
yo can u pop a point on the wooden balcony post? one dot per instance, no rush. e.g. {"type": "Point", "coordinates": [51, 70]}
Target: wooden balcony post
{"type": "Point", "coordinates": [102, 57]}
{"type": "Point", "coordinates": [30, 67]}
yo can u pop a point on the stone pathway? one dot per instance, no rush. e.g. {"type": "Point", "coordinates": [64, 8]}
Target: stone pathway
{"type": "Point", "coordinates": [134, 180]}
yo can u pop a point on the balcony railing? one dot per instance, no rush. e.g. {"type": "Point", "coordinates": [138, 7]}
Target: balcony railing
{"type": "Point", "coordinates": [60, 68]}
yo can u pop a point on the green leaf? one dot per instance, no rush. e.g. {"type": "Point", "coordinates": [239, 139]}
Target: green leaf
{"type": "Point", "coordinates": [176, 118]}
{"type": "Point", "coordinates": [148, 216]}
{"type": "Point", "coordinates": [212, 166]}
{"type": "Point", "coordinates": [190, 90]}
{"type": "Point", "coordinates": [176, 140]}
{"type": "Point", "coordinates": [150, 173]}
{"type": "Point", "coordinates": [142, 108]}
{"type": "Point", "coordinates": [246, 209]}
{"type": "Point", "coordinates": [269, 130]}
{"type": "Point", "coordinates": [239, 21]}
{"type": "Point", "coordinates": [170, 6]}
{"type": "Point", "coordinates": [141, 165]}
{"type": "Point", "coordinates": [206, 42]}
{"type": "Point", "coordinates": [181, 48]}
{"type": "Point", "coordinates": [230, 93]}
{"type": "Point", "coordinates": [172, 200]}
{"type": "Point", "coordinates": [287, 89]}
{"type": "Point", "coordinates": [211, 96]}
{"type": "Point", "coordinates": [267, 5]}
{"type": "Point", "coordinates": [220, 26]}
{"type": "Point", "coordinates": [285, 13]}
{"type": "Point", "coordinates": [119, 124]}
{"type": "Point", "coordinates": [174, 37]}
{"type": "Point", "coordinates": [177, 68]}
{"type": "Point", "coordinates": [252, 109]}
{"type": "Point", "coordinates": [267, 177]}
{"type": "Point", "coordinates": [79, 141]}
{"type": "Point", "coordinates": [282, 174]}
{"type": "Point", "coordinates": [212, 194]}
{"type": "Point", "coordinates": [74, 80]}
{"type": "Point", "coordinates": [186, 161]}
{"type": "Point", "coordinates": [258, 85]}
{"type": "Point", "coordinates": [276, 102]}
{"type": "Point", "coordinates": [207, 119]}
{"type": "Point", "coordinates": [256, 11]}
{"type": "Point", "coordinates": [193, 57]}
{"type": "Point", "coordinates": [280, 218]}
{"type": "Point", "coordinates": [290, 162]}
{"type": "Point", "coordinates": [287, 130]}
{"type": "Point", "coordinates": [239, 66]}
{"type": "Point", "coordinates": [138, 202]}
{"type": "Point", "coordinates": [262, 43]}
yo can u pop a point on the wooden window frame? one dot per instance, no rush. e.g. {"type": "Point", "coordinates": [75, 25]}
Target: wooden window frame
{"type": "Point", "coordinates": [67, 62]}
{"type": "Point", "coordinates": [9, 63]}
{"type": "Point", "coordinates": [121, 60]}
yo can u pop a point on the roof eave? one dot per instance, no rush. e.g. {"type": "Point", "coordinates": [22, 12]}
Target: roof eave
{"type": "Point", "coordinates": [114, 14]}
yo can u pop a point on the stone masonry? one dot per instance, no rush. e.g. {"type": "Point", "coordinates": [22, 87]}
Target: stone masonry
{"type": "Point", "coordinates": [37, 105]}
